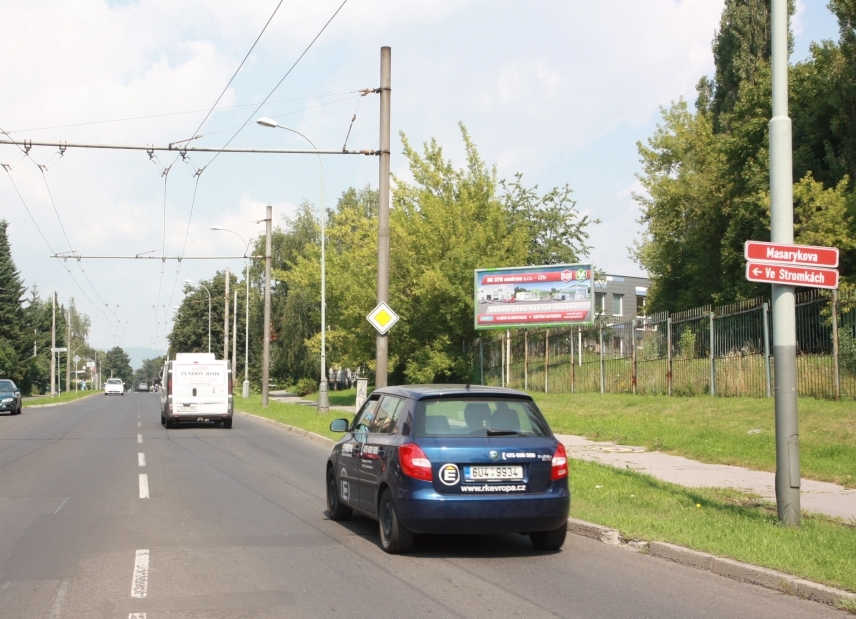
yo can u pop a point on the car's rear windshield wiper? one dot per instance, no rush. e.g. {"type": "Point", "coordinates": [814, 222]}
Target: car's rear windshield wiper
{"type": "Point", "coordinates": [491, 432]}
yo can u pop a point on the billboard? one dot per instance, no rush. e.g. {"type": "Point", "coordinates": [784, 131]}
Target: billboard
{"type": "Point", "coordinates": [541, 296]}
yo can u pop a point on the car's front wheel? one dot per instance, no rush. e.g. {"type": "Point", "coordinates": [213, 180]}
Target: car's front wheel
{"type": "Point", "coordinates": [394, 537]}
{"type": "Point", "coordinates": [549, 540]}
{"type": "Point", "coordinates": [335, 508]}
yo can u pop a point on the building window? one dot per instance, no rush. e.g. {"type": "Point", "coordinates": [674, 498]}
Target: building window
{"type": "Point", "coordinates": [600, 302]}
{"type": "Point", "coordinates": [617, 303]}
{"type": "Point", "coordinates": [640, 305]}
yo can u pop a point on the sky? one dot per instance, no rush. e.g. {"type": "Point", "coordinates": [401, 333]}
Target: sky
{"type": "Point", "coordinates": [559, 90]}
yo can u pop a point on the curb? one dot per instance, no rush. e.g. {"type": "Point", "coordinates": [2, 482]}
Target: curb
{"type": "Point", "coordinates": [60, 403]}
{"type": "Point", "coordinates": [729, 568]}
{"type": "Point", "coordinates": [298, 431]}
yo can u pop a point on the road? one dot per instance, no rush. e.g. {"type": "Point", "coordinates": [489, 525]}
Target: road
{"type": "Point", "coordinates": [234, 527]}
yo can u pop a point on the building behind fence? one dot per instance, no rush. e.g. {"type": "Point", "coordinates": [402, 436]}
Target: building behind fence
{"type": "Point", "coordinates": [722, 351]}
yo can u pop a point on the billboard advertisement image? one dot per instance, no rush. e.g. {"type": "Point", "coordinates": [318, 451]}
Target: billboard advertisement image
{"type": "Point", "coordinates": [541, 296]}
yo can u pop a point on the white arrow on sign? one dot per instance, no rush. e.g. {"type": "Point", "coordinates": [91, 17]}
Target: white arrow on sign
{"type": "Point", "coordinates": [756, 271]}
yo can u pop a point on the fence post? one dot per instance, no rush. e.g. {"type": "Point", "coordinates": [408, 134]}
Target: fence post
{"type": "Point", "coordinates": [669, 353]}
{"type": "Point", "coordinates": [546, 360]}
{"type": "Point", "coordinates": [508, 357]}
{"type": "Point", "coordinates": [573, 365]}
{"type": "Point", "coordinates": [580, 345]}
{"type": "Point", "coordinates": [766, 310]}
{"type": "Point", "coordinates": [602, 376]}
{"type": "Point", "coordinates": [633, 353]}
{"type": "Point", "coordinates": [481, 361]}
{"type": "Point", "coordinates": [502, 382]}
{"type": "Point", "coordinates": [712, 359]}
{"type": "Point", "coordinates": [525, 359]}
{"type": "Point", "coordinates": [835, 351]}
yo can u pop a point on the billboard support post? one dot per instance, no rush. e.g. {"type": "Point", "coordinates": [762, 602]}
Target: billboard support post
{"type": "Point", "coordinates": [712, 358]}
{"type": "Point", "coordinates": [481, 361]}
{"type": "Point", "coordinates": [525, 359]}
{"type": "Point", "coordinates": [836, 376]}
{"type": "Point", "coordinates": [669, 353]}
{"type": "Point", "coordinates": [546, 360]}
{"type": "Point", "coordinates": [602, 377]}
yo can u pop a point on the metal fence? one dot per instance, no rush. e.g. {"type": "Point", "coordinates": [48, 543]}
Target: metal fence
{"type": "Point", "coordinates": [721, 351]}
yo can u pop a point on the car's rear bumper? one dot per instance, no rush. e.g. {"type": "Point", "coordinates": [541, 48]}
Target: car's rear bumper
{"type": "Point", "coordinates": [426, 511]}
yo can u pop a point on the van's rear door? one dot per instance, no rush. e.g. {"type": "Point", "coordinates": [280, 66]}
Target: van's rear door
{"type": "Point", "coordinates": [200, 388]}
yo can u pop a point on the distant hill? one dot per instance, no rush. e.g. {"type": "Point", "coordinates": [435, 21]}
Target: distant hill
{"type": "Point", "coordinates": [137, 355]}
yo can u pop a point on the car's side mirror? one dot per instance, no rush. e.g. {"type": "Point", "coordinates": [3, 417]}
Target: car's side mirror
{"type": "Point", "coordinates": [339, 425]}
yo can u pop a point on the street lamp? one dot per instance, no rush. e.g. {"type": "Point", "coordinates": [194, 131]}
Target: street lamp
{"type": "Point", "coordinates": [323, 398]}
{"type": "Point", "coordinates": [245, 392]}
{"type": "Point", "coordinates": [190, 281]}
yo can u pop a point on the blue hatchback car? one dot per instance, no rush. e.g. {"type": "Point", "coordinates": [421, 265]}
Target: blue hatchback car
{"type": "Point", "coordinates": [450, 459]}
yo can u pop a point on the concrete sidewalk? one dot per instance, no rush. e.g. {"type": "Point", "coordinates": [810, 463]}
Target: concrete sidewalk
{"type": "Point", "coordinates": [815, 496]}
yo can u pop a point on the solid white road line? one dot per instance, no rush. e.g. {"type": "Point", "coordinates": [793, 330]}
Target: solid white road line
{"type": "Point", "coordinates": [56, 607]}
{"type": "Point", "coordinates": [144, 486]}
{"type": "Point", "coordinates": [140, 582]}
{"type": "Point", "coordinates": [141, 457]}
{"type": "Point", "coordinates": [140, 438]}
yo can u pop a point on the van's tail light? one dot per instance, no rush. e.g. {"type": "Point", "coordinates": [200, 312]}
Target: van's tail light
{"type": "Point", "coordinates": [560, 463]}
{"type": "Point", "coordinates": [169, 385]}
{"type": "Point", "coordinates": [230, 382]}
{"type": "Point", "coordinates": [414, 462]}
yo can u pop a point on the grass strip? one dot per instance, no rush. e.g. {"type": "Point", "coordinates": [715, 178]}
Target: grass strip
{"type": "Point", "coordinates": [737, 431]}
{"type": "Point", "coordinates": [298, 415]}
{"type": "Point", "coordinates": [68, 396]}
{"type": "Point", "coordinates": [723, 522]}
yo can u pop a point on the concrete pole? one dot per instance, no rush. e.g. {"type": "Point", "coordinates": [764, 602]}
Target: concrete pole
{"type": "Point", "coordinates": [382, 341]}
{"type": "Point", "coordinates": [53, 346]}
{"type": "Point", "coordinates": [226, 320]}
{"type": "Point", "coordinates": [68, 351]}
{"type": "Point", "coordinates": [245, 388]}
{"type": "Point", "coordinates": [266, 349]}
{"type": "Point", "coordinates": [235, 336]}
{"type": "Point", "coordinates": [784, 308]}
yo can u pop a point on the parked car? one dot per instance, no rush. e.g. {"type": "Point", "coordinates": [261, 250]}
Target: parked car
{"type": "Point", "coordinates": [450, 459]}
{"type": "Point", "coordinates": [114, 386]}
{"type": "Point", "coordinates": [10, 397]}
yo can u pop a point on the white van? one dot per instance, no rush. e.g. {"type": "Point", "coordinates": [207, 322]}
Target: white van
{"type": "Point", "coordinates": [197, 387]}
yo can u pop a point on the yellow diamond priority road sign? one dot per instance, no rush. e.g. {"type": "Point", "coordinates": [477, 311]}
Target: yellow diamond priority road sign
{"type": "Point", "coordinates": [382, 318]}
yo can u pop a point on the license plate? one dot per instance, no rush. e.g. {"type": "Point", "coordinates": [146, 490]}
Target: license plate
{"type": "Point", "coordinates": [187, 408]}
{"type": "Point", "coordinates": [486, 473]}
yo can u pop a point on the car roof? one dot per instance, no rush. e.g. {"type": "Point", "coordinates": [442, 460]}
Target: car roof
{"type": "Point", "coordinates": [420, 392]}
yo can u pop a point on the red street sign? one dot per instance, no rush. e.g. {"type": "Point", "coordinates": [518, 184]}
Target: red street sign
{"type": "Point", "coordinates": [791, 275]}
{"type": "Point", "coordinates": [791, 254]}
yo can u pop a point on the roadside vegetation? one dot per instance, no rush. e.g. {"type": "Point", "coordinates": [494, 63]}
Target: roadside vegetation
{"type": "Point", "coordinates": [67, 396]}
{"type": "Point", "coordinates": [723, 522]}
{"type": "Point", "coordinates": [298, 415]}
{"type": "Point", "coordinates": [737, 431]}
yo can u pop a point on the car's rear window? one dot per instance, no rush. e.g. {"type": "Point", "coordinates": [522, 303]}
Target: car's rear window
{"type": "Point", "coordinates": [478, 418]}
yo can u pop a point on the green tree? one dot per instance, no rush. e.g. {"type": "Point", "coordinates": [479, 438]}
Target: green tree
{"type": "Point", "coordinates": [149, 370]}
{"type": "Point", "coordinates": [117, 363]}
{"type": "Point", "coordinates": [13, 342]}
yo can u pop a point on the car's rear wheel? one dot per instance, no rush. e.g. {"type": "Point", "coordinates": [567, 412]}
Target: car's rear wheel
{"type": "Point", "coordinates": [227, 423]}
{"type": "Point", "coordinates": [335, 508]}
{"type": "Point", "coordinates": [394, 537]}
{"type": "Point", "coordinates": [549, 540]}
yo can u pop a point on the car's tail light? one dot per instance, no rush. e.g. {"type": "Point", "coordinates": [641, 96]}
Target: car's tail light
{"type": "Point", "coordinates": [560, 463]}
{"type": "Point", "coordinates": [414, 462]}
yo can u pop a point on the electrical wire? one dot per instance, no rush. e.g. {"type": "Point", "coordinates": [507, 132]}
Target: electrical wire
{"type": "Point", "coordinates": [279, 83]}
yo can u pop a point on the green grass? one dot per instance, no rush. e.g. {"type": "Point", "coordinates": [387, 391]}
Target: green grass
{"type": "Point", "coordinates": [727, 523]}
{"type": "Point", "coordinates": [66, 396]}
{"type": "Point", "coordinates": [713, 430]}
{"type": "Point", "coordinates": [305, 417]}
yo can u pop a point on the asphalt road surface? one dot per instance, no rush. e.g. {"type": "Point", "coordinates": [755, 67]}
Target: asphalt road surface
{"type": "Point", "coordinates": [104, 513]}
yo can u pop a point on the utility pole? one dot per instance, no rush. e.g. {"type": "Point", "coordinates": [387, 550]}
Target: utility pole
{"type": "Point", "coordinates": [235, 336]}
{"type": "Point", "coordinates": [53, 347]}
{"type": "Point", "coordinates": [382, 354]}
{"type": "Point", "coordinates": [68, 351]}
{"type": "Point", "coordinates": [784, 308]}
{"type": "Point", "coordinates": [266, 349]}
{"type": "Point", "coordinates": [226, 320]}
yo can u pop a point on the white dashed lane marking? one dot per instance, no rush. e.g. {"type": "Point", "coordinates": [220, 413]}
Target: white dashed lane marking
{"type": "Point", "coordinates": [144, 486]}
{"type": "Point", "coordinates": [141, 458]}
{"type": "Point", "coordinates": [140, 438]}
{"type": "Point", "coordinates": [139, 424]}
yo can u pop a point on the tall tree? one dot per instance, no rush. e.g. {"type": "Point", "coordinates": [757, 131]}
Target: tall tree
{"type": "Point", "coordinates": [118, 364]}
{"type": "Point", "coordinates": [12, 324]}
